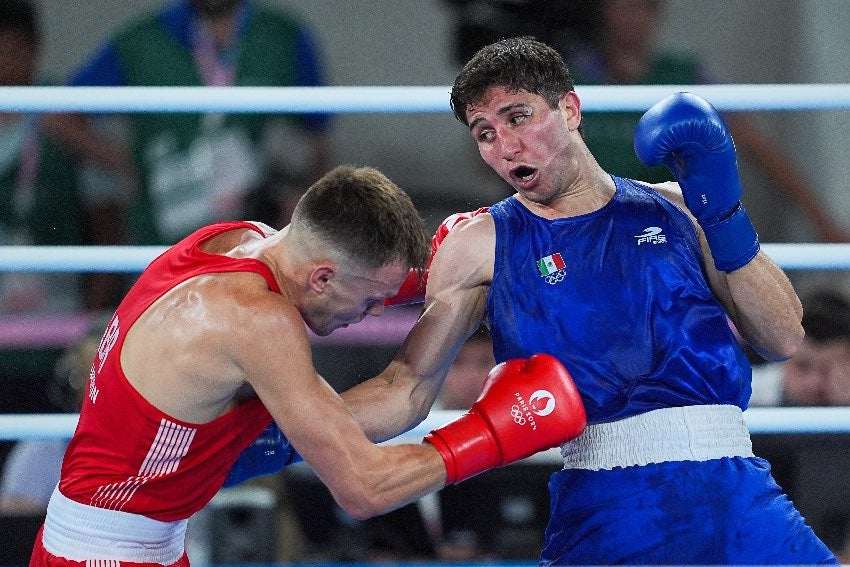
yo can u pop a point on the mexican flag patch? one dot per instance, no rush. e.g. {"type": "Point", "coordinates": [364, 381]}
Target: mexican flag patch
{"type": "Point", "coordinates": [550, 264]}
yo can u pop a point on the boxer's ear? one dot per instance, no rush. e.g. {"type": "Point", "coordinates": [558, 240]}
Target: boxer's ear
{"type": "Point", "coordinates": [321, 276]}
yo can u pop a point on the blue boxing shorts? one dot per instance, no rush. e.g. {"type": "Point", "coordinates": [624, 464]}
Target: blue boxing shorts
{"type": "Point", "coordinates": [718, 511]}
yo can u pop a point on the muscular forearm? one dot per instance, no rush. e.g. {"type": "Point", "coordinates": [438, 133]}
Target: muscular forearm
{"type": "Point", "coordinates": [766, 310]}
{"type": "Point", "coordinates": [389, 404]}
{"type": "Point", "coordinates": [391, 477]}
{"type": "Point", "coordinates": [401, 396]}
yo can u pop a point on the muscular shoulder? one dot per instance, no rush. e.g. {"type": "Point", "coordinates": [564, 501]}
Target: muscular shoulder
{"type": "Point", "coordinates": [670, 190]}
{"type": "Point", "coordinates": [470, 236]}
{"type": "Point", "coordinates": [252, 322]}
{"type": "Point", "coordinates": [466, 256]}
{"type": "Point", "coordinates": [190, 351]}
{"type": "Point", "coordinates": [244, 299]}
{"type": "Point", "coordinates": [223, 311]}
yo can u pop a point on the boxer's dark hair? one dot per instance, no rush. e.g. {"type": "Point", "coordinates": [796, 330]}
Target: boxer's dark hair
{"type": "Point", "coordinates": [516, 63]}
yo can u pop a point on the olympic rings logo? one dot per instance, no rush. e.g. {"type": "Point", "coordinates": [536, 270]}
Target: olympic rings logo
{"type": "Point", "coordinates": [556, 277]}
{"type": "Point", "coordinates": [517, 414]}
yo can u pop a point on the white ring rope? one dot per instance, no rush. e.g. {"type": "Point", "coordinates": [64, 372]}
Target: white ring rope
{"type": "Point", "coordinates": [395, 99]}
{"type": "Point", "coordinates": [802, 420]}
{"type": "Point", "coordinates": [134, 259]}
{"type": "Point", "coordinates": [760, 420]}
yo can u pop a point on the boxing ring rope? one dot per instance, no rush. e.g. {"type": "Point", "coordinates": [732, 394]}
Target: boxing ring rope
{"type": "Point", "coordinates": [131, 259]}
{"type": "Point", "coordinates": [760, 420]}
{"type": "Point", "coordinates": [805, 420]}
{"type": "Point", "coordinates": [396, 99]}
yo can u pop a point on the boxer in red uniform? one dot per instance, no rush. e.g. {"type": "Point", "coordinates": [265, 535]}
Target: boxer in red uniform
{"type": "Point", "coordinates": [210, 345]}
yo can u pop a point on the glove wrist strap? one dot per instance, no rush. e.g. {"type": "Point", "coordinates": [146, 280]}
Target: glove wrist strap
{"type": "Point", "coordinates": [466, 446]}
{"type": "Point", "coordinates": [733, 240]}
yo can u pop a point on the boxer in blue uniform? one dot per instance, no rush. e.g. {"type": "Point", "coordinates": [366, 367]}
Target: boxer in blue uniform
{"type": "Point", "coordinates": [635, 288]}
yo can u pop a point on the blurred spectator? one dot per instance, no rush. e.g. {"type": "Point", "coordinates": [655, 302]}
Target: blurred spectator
{"type": "Point", "coordinates": [624, 53]}
{"type": "Point", "coordinates": [39, 196]}
{"type": "Point", "coordinates": [613, 42]}
{"type": "Point", "coordinates": [819, 373]}
{"type": "Point", "coordinates": [197, 168]}
{"type": "Point", "coordinates": [31, 470]}
{"type": "Point", "coordinates": [40, 204]}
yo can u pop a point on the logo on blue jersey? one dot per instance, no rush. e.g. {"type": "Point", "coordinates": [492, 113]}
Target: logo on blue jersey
{"type": "Point", "coordinates": [652, 235]}
{"type": "Point", "coordinates": [552, 268]}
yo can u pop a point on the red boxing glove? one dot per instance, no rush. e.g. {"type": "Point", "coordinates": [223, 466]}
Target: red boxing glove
{"type": "Point", "coordinates": [526, 406]}
{"type": "Point", "coordinates": [413, 288]}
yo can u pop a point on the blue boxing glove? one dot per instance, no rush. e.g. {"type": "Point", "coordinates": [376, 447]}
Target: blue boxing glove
{"type": "Point", "coordinates": [685, 133]}
{"type": "Point", "coordinates": [270, 452]}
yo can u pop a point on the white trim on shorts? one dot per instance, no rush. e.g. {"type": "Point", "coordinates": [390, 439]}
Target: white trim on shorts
{"type": "Point", "coordinates": [690, 433]}
{"type": "Point", "coordinates": [80, 532]}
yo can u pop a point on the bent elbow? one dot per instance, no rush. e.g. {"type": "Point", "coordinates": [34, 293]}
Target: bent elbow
{"type": "Point", "coordinates": [791, 346]}
{"type": "Point", "coordinates": [363, 505]}
{"type": "Point", "coordinates": [784, 346]}
{"type": "Point", "coordinates": [793, 341]}
{"type": "Point", "coordinates": [420, 416]}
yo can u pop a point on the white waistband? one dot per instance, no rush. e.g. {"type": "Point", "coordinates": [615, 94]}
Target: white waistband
{"type": "Point", "coordinates": [690, 433]}
{"type": "Point", "coordinates": [79, 532]}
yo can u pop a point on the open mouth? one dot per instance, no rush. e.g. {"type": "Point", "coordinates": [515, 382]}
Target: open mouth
{"type": "Point", "coordinates": [524, 173]}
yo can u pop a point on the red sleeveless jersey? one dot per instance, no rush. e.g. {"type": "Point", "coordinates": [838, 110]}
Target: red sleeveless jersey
{"type": "Point", "coordinates": [126, 454]}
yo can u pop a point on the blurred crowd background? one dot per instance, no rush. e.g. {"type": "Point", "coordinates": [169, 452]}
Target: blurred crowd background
{"type": "Point", "coordinates": [152, 178]}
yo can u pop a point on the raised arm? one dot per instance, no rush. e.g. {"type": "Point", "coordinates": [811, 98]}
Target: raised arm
{"type": "Point", "coordinates": [686, 133]}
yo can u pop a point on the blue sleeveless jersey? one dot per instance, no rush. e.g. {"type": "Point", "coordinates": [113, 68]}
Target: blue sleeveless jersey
{"type": "Point", "coordinates": [620, 297]}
